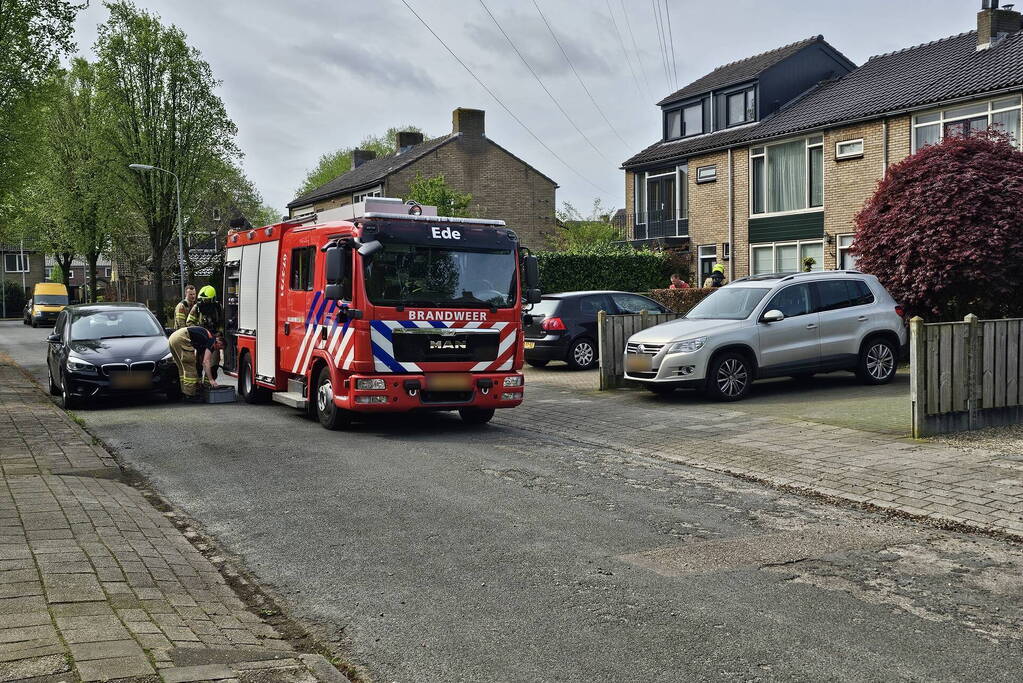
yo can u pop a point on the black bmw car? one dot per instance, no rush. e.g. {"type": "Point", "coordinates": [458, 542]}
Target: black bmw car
{"type": "Point", "coordinates": [564, 326]}
{"type": "Point", "coordinates": [108, 349]}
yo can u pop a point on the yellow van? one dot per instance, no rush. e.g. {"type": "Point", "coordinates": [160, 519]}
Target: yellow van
{"type": "Point", "coordinates": [48, 300]}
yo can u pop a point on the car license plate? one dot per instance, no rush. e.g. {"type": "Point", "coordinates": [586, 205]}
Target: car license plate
{"type": "Point", "coordinates": [528, 344]}
{"type": "Point", "coordinates": [131, 380]}
{"type": "Point", "coordinates": [637, 363]}
{"type": "Point", "coordinates": [449, 381]}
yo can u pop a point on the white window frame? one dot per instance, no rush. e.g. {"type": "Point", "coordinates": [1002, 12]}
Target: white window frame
{"type": "Point", "coordinates": [818, 142]}
{"type": "Point", "coordinates": [21, 259]}
{"type": "Point", "coordinates": [701, 257]}
{"type": "Point", "coordinates": [798, 244]}
{"type": "Point", "coordinates": [710, 177]}
{"type": "Point", "coordinates": [681, 174]}
{"type": "Point", "coordinates": [377, 191]}
{"type": "Point", "coordinates": [942, 120]}
{"type": "Point", "coordinates": [839, 154]}
{"type": "Point", "coordinates": [48, 273]}
{"type": "Point", "coordinates": [839, 248]}
{"type": "Point", "coordinates": [70, 274]}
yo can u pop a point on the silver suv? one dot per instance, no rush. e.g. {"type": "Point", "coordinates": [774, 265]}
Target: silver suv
{"type": "Point", "coordinates": [794, 324]}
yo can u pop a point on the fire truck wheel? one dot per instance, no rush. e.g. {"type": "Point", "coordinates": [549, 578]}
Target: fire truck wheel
{"type": "Point", "coordinates": [476, 416]}
{"type": "Point", "coordinates": [329, 414]}
{"type": "Point", "coordinates": [251, 393]}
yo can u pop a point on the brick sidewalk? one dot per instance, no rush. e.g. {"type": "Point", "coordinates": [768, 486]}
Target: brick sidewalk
{"type": "Point", "coordinates": [96, 583]}
{"type": "Point", "coordinates": [978, 488]}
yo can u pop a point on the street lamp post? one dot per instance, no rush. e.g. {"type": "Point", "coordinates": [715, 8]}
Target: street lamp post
{"type": "Point", "coordinates": [181, 239]}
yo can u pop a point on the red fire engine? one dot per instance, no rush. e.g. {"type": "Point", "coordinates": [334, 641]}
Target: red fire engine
{"type": "Point", "coordinates": [375, 307]}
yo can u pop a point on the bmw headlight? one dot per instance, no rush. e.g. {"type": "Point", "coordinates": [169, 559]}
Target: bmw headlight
{"type": "Point", "coordinates": [687, 345]}
{"type": "Point", "coordinates": [79, 365]}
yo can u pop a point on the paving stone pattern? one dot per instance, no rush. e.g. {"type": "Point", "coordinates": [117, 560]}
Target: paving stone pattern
{"type": "Point", "coordinates": [97, 584]}
{"type": "Point", "coordinates": [980, 488]}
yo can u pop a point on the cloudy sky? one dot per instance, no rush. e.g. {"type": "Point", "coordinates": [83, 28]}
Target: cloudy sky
{"type": "Point", "coordinates": [302, 77]}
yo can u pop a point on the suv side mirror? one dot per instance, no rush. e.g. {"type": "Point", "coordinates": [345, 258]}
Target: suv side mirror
{"type": "Point", "coordinates": [532, 273]}
{"type": "Point", "coordinates": [773, 316]}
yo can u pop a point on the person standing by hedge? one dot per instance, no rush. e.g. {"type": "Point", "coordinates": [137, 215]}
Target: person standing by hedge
{"type": "Point", "coordinates": [677, 282]}
{"type": "Point", "coordinates": [717, 276]}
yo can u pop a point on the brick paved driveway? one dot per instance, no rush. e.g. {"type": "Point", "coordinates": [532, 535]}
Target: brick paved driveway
{"type": "Point", "coordinates": [810, 439]}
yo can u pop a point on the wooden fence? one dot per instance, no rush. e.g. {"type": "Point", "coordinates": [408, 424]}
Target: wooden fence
{"type": "Point", "coordinates": [965, 375]}
{"type": "Point", "coordinates": [612, 333]}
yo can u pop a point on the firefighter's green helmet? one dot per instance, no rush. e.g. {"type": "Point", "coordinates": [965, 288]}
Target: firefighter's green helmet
{"type": "Point", "coordinates": [718, 268]}
{"type": "Point", "coordinates": [208, 292]}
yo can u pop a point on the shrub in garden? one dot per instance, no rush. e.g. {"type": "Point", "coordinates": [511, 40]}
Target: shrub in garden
{"type": "Point", "coordinates": [680, 300]}
{"type": "Point", "coordinates": [944, 229]}
{"type": "Point", "coordinates": [602, 267]}
{"type": "Point", "coordinates": [14, 298]}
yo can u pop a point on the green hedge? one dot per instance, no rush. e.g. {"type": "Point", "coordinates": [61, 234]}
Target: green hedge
{"type": "Point", "coordinates": [15, 299]}
{"type": "Point", "coordinates": [680, 300]}
{"type": "Point", "coordinates": [618, 268]}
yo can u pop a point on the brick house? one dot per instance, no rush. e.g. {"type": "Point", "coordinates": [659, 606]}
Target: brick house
{"type": "Point", "coordinates": [761, 188]}
{"type": "Point", "coordinates": [16, 263]}
{"type": "Point", "coordinates": [502, 185]}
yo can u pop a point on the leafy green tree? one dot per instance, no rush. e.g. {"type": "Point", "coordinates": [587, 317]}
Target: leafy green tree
{"type": "Point", "coordinates": [578, 232]}
{"type": "Point", "coordinates": [80, 183]}
{"type": "Point", "coordinates": [434, 191]}
{"type": "Point", "coordinates": [159, 96]}
{"type": "Point", "coordinates": [58, 274]}
{"type": "Point", "coordinates": [33, 36]}
{"type": "Point", "coordinates": [338, 162]}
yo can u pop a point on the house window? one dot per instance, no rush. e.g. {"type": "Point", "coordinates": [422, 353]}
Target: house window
{"type": "Point", "coordinates": [639, 197]}
{"type": "Point", "coordinates": [707, 255]}
{"type": "Point", "coordinates": [846, 261]}
{"type": "Point", "coordinates": [71, 275]}
{"type": "Point", "coordinates": [49, 273]}
{"type": "Point", "coordinates": [1001, 115]}
{"type": "Point", "coordinates": [786, 257]}
{"type": "Point", "coordinates": [706, 174]}
{"type": "Point", "coordinates": [673, 124]}
{"type": "Point", "coordinates": [16, 263]}
{"type": "Point", "coordinates": [849, 149]}
{"type": "Point", "coordinates": [372, 192]}
{"type": "Point", "coordinates": [740, 107]}
{"type": "Point", "coordinates": [683, 122]}
{"type": "Point", "coordinates": [787, 176]}
{"type": "Point", "coordinates": [302, 261]}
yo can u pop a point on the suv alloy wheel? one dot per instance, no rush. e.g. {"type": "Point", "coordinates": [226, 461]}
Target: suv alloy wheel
{"type": "Point", "coordinates": [878, 362]}
{"type": "Point", "coordinates": [730, 377]}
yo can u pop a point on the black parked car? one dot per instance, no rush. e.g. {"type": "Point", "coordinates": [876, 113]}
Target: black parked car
{"type": "Point", "coordinates": [564, 326]}
{"type": "Point", "coordinates": [109, 349]}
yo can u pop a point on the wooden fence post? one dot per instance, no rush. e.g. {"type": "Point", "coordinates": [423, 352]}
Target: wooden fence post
{"type": "Point", "coordinates": [974, 353]}
{"type": "Point", "coordinates": [918, 374]}
{"type": "Point", "coordinates": [603, 348]}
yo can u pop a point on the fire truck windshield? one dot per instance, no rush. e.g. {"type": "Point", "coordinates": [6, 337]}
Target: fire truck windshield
{"type": "Point", "coordinates": [417, 275]}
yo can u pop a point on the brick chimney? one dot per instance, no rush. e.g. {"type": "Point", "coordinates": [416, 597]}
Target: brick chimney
{"type": "Point", "coordinates": [994, 23]}
{"type": "Point", "coordinates": [407, 139]}
{"type": "Point", "coordinates": [361, 156]}
{"type": "Point", "coordinates": [468, 122]}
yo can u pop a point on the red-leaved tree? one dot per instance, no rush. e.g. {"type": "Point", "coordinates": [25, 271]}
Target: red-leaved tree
{"type": "Point", "coordinates": [944, 229]}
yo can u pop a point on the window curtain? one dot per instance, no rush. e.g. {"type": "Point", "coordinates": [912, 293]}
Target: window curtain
{"type": "Point", "coordinates": [786, 259]}
{"type": "Point", "coordinates": [786, 174]}
{"type": "Point", "coordinates": [763, 258]}
{"type": "Point", "coordinates": [813, 250]}
{"type": "Point", "coordinates": [1007, 122]}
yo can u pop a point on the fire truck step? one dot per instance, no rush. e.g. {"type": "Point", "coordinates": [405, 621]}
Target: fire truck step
{"type": "Point", "coordinates": [290, 398]}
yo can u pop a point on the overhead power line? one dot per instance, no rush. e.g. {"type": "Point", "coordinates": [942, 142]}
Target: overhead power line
{"type": "Point", "coordinates": [671, 41]}
{"type": "Point", "coordinates": [635, 49]}
{"type": "Point", "coordinates": [577, 76]}
{"type": "Point", "coordinates": [660, 43]}
{"type": "Point", "coordinates": [625, 52]}
{"type": "Point", "coordinates": [542, 84]}
{"type": "Point", "coordinates": [499, 101]}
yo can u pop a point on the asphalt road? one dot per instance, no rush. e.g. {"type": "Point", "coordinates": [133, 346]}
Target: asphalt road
{"type": "Point", "coordinates": [435, 551]}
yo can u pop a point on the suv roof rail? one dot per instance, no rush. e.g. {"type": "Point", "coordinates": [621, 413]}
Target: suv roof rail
{"type": "Point", "coordinates": [815, 273]}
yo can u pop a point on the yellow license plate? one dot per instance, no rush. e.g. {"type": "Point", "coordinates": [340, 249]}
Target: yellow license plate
{"type": "Point", "coordinates": [637, 363]}
{"type": "Point", "coordinates": [449, 381]}
{"type": "Point", "coordinates": [131, 380]}
{"type": "Point", "coordinates": [528, 345]}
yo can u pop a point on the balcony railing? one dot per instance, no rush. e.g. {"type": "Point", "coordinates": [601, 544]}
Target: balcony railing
{"type": "Point", "coordinates": [650, 225]}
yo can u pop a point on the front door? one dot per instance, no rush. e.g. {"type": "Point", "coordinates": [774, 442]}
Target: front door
{"type": "Point", "coordinates": [661, 206]}
{"type": "Point", "coordinates": [793, 344]}
{"type": "Point", "coordinates": [306, 306]}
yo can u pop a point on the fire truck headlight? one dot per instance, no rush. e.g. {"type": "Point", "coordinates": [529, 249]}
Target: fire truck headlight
{"type": "Point", "coordinates": [515, 381]}
{"type": "Point", "coordinates": [371, 384]}
{"type": "Point", "coordinates": [508, 396]}
{"type": "Point", "coordinates": [371, 399]}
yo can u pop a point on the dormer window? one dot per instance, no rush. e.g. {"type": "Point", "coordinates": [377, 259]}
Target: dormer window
{"type": "Point", "coordinates": [741, 107]}
{"type": "Point", "coordinates": [684, 121]}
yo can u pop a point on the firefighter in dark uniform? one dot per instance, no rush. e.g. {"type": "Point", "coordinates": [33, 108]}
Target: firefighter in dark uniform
{"type": "Point", "coordinates": [206, 313]}
{"type": "Point", "coordinates": [193, 348]}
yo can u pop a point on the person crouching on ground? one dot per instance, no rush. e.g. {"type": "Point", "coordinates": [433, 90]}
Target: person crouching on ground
{"type": "Point", "coordinates": [192, 348]}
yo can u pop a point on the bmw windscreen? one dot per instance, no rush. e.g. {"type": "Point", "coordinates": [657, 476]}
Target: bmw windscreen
{"type": "Point", "coordinates": [728, 303]}
{"type": "Point", "coordinates": [94, 325]}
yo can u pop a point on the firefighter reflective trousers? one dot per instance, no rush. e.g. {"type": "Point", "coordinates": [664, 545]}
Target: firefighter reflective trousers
{"type": "Point", "coordinates": [184, 355]}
